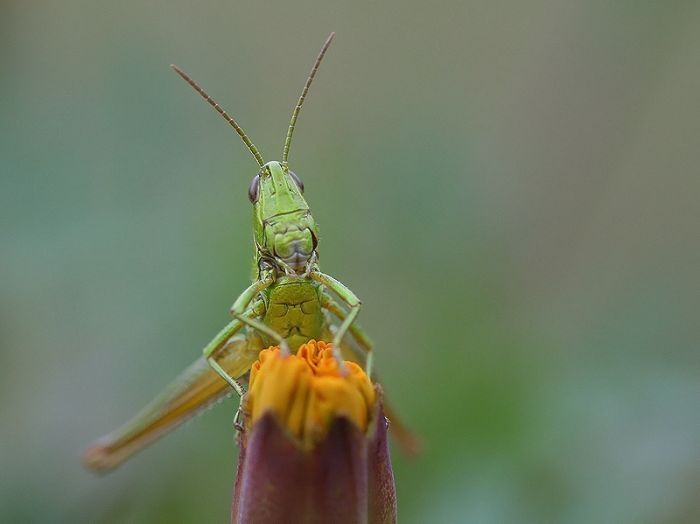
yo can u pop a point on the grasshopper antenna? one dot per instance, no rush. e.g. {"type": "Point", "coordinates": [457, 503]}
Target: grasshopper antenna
{"type": "Point", "coordinates": [231, 121]}
{"type": "Point", "coordinates": [295, 113]}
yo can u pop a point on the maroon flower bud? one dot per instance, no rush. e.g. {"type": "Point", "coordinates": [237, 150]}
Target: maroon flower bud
{"type": "Point", "coordinates": [314, 447]}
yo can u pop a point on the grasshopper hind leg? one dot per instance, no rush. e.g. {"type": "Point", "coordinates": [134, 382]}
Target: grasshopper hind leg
{"type": "Point", "coordinates": [197, 388]}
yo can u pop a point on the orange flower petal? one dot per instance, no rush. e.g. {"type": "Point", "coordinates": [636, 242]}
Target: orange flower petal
{"type": "Point", "coordinates": [307, 391]}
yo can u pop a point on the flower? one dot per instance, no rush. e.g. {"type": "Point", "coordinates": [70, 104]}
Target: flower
{"type": "Point", "coordinates": [314, 446]}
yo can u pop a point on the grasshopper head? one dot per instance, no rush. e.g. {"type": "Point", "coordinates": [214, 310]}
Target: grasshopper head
{"type": "Point", "coordinates": [285, 231]}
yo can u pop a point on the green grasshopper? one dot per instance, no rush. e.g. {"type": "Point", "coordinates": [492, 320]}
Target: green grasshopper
{"type": "Point", "coordinates": [289, 302]}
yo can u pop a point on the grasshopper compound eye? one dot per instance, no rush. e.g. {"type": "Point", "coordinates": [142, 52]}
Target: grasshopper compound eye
{"type": "Point", "coordinates": [297, 181]}
{"type": "Point", "coordinates": [254, 189]}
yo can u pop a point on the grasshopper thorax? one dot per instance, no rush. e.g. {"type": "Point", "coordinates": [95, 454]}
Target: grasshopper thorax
{"type": "Point", "coordinates": [285, 231]}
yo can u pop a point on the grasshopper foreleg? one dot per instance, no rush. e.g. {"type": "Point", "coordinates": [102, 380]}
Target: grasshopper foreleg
{"type": "Point", "coordinates": [256, 324]}
{"type": "Point", "coordinates": [353, 303]}
{"type": "Point", "coordinates": [220, 341]}
{"type": "Point", "coordinates": [240, 312]}
{"type": "Point", "coordinates": [330, 305]}
{"type": "Point", "coordinates": [244, 300]}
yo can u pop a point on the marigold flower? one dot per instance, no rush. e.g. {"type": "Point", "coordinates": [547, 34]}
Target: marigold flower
{"type": "Point", "coordinates": [314, 446]}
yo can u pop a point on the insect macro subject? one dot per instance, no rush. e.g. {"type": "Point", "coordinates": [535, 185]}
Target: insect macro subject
{"type": "Point", "coordinates": [289, 302]}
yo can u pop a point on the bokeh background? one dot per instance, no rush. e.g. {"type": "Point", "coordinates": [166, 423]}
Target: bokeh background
{"type": "Point", "coordinates": [511, 187]}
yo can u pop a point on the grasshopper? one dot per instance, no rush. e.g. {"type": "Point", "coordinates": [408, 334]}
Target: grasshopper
{"type": "Point", "coordinates": [289, 302]}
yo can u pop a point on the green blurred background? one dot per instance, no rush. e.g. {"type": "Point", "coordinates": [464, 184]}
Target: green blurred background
{"type": "Point", "coordinates": [510, 187]}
